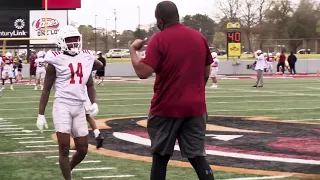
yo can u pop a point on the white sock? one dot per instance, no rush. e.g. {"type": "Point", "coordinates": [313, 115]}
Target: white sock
{"type": "Point", "coordinates": [96, 133]}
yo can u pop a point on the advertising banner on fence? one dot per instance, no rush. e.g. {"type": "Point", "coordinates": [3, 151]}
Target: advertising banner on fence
{"type": "Point", "coordinates": [14, 24]}
{"type": "Point", "coordinates": [55, 20]}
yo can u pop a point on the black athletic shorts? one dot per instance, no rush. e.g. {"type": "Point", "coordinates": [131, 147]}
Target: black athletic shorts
{"type": "Point", "coordinates": [32, 73]}
{"type": "Point", "coordinates": [100, 73]}
{"type": "Point", "coordinates": [190, 132]}
{"type": "Point", "coordinates": [19, 69]}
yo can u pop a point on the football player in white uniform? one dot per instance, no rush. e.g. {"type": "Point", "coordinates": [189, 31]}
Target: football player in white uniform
{"type": "Point", "coordinates": [69, 72]}
{"type": "Point", "coordinates": [7, 70]}
{"type": "Point", "coordinates": [41, 70]}
{"type": "Point", "coordinates": [270, 60]}
{"type": "Point", "coordinates": [214, 70]}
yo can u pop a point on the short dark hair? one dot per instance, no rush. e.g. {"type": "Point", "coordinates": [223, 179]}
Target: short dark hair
{"type": "Point", "coordinates": [167, 11]}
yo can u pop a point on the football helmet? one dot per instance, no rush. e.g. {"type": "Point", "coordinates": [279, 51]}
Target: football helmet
{"type": "Point", "coordinates": [214, 54]}
{"type": "Point", "coordinates": [40, 54]}
{"type": "Point", "coordinates": [69, 40]}
{"type": "Point", "coordinates": [8, 55]}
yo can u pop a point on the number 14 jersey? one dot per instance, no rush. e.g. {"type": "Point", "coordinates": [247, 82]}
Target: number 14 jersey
{"type": "Point", "coordinates": [72, 74]}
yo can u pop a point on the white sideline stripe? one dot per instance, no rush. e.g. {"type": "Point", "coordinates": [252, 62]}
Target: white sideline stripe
{"type": "Point", "coordinates": [259, 178]}
{"type": "Point", "coordinates": [29, 134]}
{"type": "Point", "coordinates": [42, 146]}
{"type": "Point", "coordinates": [50, 157]}
{"type": "Point", "coordinates": [85, 162]}
{"type": "Point", "coordinates": [9, 128]}
{"type": "Point", "coordinates": [93, 169]}
{"type": "Point", "coordinates": [29, 138]}
{"type": "Point", "coordinates": [5, 122]}
{"type": "Point", "coordinates": [101, 177]}
{"type": "Point", "coordinates": [1, 125]}
{"type": "Point", "coordinates": [299, 120]}
{"type": "Point", "coordinates": [147, 142]}
{"type": "Point", "coordinates": [32, 142]}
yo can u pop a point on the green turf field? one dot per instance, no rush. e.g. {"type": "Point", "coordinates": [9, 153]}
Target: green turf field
{"type": "Point", "coordinates": [243, 57]}
{"type": "Point", "coordinates": [284, 99]}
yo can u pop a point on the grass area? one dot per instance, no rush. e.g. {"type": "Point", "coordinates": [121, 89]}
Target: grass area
{"type": "Point", "coordinates": [224, 58]}
{"type": "Point", "coordinates": [284, 99]}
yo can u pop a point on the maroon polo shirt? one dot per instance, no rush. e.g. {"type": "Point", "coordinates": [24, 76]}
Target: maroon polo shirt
{"type": "Point", "coordinates": [178, 55]}
{"type": "Point", "coordinates": [32, 60]}
{"type": "Point", "coordinates": [282, 59]}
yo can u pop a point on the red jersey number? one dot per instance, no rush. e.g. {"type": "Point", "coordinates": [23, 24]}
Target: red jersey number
{"type": "Point", "coordinates": [78, 73]}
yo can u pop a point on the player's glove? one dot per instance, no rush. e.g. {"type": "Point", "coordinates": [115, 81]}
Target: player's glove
{"type": "Point", "coordinates": [41, 122]}
{"type": "Point", "coordinates": [94, 109]}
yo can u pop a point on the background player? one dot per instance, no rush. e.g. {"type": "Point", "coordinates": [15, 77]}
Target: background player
{"type": "Point", "coordinates": [270, 60]}
{"type": "Point", "coordinates": [214, 70]}
{"type": "Point", "coordinates": [41, 70]}
{"type": "Point", "coordinates": [7, 70]}
{"type": "Point", "coordinates": [69, 71]}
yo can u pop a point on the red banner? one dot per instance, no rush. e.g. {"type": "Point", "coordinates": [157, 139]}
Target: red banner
{"type": "Point", "coordinates": [62, 4]}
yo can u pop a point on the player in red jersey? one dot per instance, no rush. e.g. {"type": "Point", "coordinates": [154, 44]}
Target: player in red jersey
{"type": "Point", "coordinates": [7, 70]}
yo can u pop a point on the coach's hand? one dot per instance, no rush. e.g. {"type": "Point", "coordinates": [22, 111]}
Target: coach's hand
{"type": "Point", "coordinates": [138, 44]}
{"type": "Point", "coordinates": [94, 109]}
{"type": "Point", "coordinates": [41, 122]}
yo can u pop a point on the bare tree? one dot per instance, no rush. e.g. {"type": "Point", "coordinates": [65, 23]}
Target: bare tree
{"type": "Point", "coordinates": [229, 8]}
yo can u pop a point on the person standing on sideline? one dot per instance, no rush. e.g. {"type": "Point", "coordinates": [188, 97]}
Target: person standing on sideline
{"type": "Point", "coordinates": [33, 68]}
{"type": "Point", "coordinates": [292, 59]}
{"type": "Point", "coordinates": [281, 62]}
{"type": "Point", "coordinates": [214, 70]}
{"type": "Point", "coordinates": [100, 72]}
{"type": "Point", "coordinates": [260, 65]}
{"type": "Point", "coordinates": [181, 59]}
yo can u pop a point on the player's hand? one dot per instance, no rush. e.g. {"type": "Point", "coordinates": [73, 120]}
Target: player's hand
{"type": "Point", "coordinates": [94, 109]}
{"type": "Point", "coordinates": [41, 122]}
{"type": "Point", "coordinates": [138, 44]}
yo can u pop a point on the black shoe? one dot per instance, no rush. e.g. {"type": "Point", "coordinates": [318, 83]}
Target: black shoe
{"type": "Point", "coordinates": [99, 140]}
{"type": "Point", "coordinates": [254, 86]}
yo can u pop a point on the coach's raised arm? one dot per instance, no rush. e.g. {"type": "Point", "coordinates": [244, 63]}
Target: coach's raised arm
{"type": "Point", "coordinates": [181, 59]}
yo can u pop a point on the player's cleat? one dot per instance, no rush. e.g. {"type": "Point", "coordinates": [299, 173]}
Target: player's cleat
{"type": "Point", "coordinates": [214, 86]}
{"type": "Point", "coordinates": [254, 86]}
{"type": "Point", "coordinates": [99, 140]}
{"type": "Point", "coordinates": [11, 87]}
{"type": "Point", "coordinates": [35, 88]}
{"type": "Point", "coordinates": [41, 87]}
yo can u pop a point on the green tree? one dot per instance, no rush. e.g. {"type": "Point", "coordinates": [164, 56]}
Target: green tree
{"type": "Point", "coordinates": [202, 23]}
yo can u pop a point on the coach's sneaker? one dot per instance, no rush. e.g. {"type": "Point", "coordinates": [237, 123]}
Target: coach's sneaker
{"type": "Point", "coordinates": [214, 86]}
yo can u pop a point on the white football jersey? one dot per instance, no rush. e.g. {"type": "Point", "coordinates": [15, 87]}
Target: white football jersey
{"type": "Point", "coordinates": [72, 74]}
{"type": "Point", "coordinates": [41, 64]}
{"type": "Point", "coordinates": [215, 62]}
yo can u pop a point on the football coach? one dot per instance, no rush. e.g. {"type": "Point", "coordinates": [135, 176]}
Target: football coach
{"type": "Point", "coordinates": [180, 58]}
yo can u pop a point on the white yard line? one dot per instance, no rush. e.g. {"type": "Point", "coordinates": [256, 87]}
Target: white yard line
{"type": "Point", "coordinates": [10, 128]}
{"type": "Point", "coordinates": [259, 178]}
{"type": "Point", "coordinates": [106, 177]}
{"type": "Point", "coordinates": [35, 142]}
{"type": "Point", "coordinates": [51, 157]}
{"type": "Point", "coordinates": [1, 125]}
{"type": "Point", "coordinates": [29, 134]}
{"type": "Point", "coordinates": [29, 138]}
{"type": "Point", "coordinates": [93, 169]}
{"type": "Point", "coordinates": [86, 162]}
{"type": "Point", "coordinates": [27, 152]}
{"type": "Point", "coordinates": [42, 146]}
